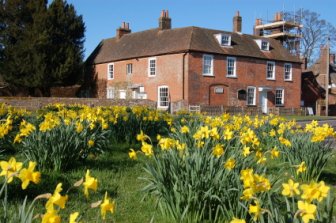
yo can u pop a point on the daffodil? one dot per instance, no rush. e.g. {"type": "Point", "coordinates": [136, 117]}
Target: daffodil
{"type": "Point", "coordinates": [73, 217]}
{"type": "Point", "coordinates": [218, 150]}
{"type": "Point", "coordinates": [275, 153]}
{"type": "Point", "coordinates": [246, 151]}
{"type": "Point", "coordinates": [132, 154]}
{"type": "Point", "coordinates": [106, 206]}
{"type": "Point", "coordinates": [255, 211]}
{"type": "Point", "coordinates": [301, 168]}
{"type": "Point", "coordinates": [147, 149]}
{"type": "Point", "coordinates": [51, 217]}
{"type": "Point", "coordinates": [236, 220]}
{"type": "Point", "coordinates": [10, 168]}
{"type": "Point", "coordinates": [89, 183]}
{"type": "Point", "coordinates": [230, 164]}
{"type": "Point", "coordinates": [290, 189]}
{"type": "Point", "coordinates": [91, 143]}
{"type": "Point", "coordinates": [184, 129]}
{"type": "Point", "coordinates": [307, 211]}
{"type": "Point", "coordinates": [56, 199]}
{"type": "Point", "coordinates": [27, 175]}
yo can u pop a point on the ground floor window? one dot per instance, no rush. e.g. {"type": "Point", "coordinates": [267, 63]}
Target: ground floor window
{"type": "Point", "coordinates": [110, 92]}
{"type": "Point", "coordinates": [122, 94]}
{"type": "Point", "coordinates": [251, 95]}
{"type": "Point", "coordinates": [279, 97]}
{"type": "Point", "coordinates": [163, 97]}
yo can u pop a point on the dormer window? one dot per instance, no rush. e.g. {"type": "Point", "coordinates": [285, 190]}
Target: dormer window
{"type": "Point", "coordinates": [224, 39]}
{"type": "Point", "coordinates": [264, 45]}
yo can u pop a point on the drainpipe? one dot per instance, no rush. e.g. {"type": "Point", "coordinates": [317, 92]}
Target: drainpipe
{"type": "Point", "coordinates": [183, 74]}
{"type": "Point", "coordinates": [327, 79]}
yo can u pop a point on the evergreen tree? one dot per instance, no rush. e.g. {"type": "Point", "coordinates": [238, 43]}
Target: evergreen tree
{"type": "Point", "coordinates": [40, 47]}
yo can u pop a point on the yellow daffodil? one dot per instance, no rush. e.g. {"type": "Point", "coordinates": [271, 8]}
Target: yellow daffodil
{"type": "Point", "coordinates": [51, 217]}
{"type": "Point", "coordinates": [132, 154]}
{"type": "Point", "coordinates": [246, 151]}
{"type": "Point", "coordinates": [10, 168]}
{"type": "Point", "coordinates": [79, 127]}
{"type": "Point", "coordinates": [228, 134]}
{"type": "Point", "coordinates": [73, 217]}
{"type": "Point", "coordinates": [314, 191]}
{"type": "Point", "coordinates": [89, 183]}
{"type": "Point", "coordinates": [27, 175]}
{"type": "Point", "coordinates": [275, 153]}
{"type": "Point", "coordinates": [106, 206]}
{"type": "Point", "coordinates": [147, 149]}
{"type": "Point", "coordinates": [230, 164]}
{"type": "Point", "coordinates": [218, 150]}
{"type": "Point", "coordinates": [91, 143]}
{"type": "Point", "coordinates": [141, 137]}
{"type": "Point", "coordinates": [307, 211]}
{"type": "Point", "coordinates": [301, 168]}
{"type": "Point", "coordinates": [184, 129]}
{"type": "Point", "coordinates": [290, 189]}
{"type": "Point", "coordinates": [56, 199]}
{"type": "Point", "coordinates": [237, 220]}
{"type": "Point", "coordinates": [255, 211]}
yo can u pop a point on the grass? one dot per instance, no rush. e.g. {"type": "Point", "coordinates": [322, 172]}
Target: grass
{"type": "Point", "coordinates": [119, 176]}
{"type": "Point", "coordinates": [116, 174]}
{"type": "Point", "coordinates": [309, 118]}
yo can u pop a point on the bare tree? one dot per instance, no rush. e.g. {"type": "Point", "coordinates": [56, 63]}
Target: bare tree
{"type": "Point", "coordinates": [315, 32]}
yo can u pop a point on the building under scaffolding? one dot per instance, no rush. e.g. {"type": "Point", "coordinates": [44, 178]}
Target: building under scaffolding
{"type": "Point", "coordinates": [287, 32]}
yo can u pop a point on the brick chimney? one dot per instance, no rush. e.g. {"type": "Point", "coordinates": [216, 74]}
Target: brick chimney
{"type": "Point", "coordinates": [123, 30]}
{"type": "Point", "coordinates": [323, 59]}
{"type": "Point", "coordinates": [257, 32]}
{"type": "Point", "coordinates": [278, 17]}
{"type": "Point", "coordinates": [164, 20]}
{"type": "Point", "coordinates": [237, 23]}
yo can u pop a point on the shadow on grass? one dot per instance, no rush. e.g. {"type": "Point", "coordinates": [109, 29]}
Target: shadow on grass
{"type": "Point", "coordinates": [328, 177]}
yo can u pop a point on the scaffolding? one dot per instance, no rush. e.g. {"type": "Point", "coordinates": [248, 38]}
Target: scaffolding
{"type": "Point", "coordinates": [287, 32]}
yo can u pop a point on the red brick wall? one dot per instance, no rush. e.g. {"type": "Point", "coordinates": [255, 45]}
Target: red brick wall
{"type": "Point", "coordinates": [199, 89]}
{"type": "Point", "coordinates": [168, 72]}
{"type": "Point", "coordinates": [250, 72]}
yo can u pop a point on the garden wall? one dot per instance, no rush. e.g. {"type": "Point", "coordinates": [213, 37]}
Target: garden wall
{"type": "Point", "coordinates": [32, 103]}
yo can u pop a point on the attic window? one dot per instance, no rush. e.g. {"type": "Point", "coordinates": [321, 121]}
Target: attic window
{"type": "Point", "coordinates": [264, 45]}
{"type": "Point", "coordinates": [223, 39]}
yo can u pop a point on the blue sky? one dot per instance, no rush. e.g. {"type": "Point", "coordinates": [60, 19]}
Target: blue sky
{"type": "Point", "coordinates": [103, 17]}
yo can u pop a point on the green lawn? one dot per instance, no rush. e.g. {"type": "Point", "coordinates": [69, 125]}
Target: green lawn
{"type": "Point", "coordinates": [119, 176]}
{"type": "Point", "coordinates": [308, 118]}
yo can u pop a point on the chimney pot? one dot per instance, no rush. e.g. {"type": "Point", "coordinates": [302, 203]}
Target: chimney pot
{"type": "Point", "coordinates": [237, 23]}
{"type": "Point", "coordinates": [123, 30]}
{"type": "Point", "coordinates": [164, 20]}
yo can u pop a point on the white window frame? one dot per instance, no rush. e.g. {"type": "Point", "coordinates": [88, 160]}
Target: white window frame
{"type": "Point", "coordinates": [159, 101]}
{"type": "Point", "coordinates": [290, 75]}
{"type": "Point", "coordinates": [254, 95]}
{"type": "Point", "coordinates": [282, 96]}
{"type": "Point", "coordinates": [121, 92]}
{"type": "Point", "coordinates": [228, 40]}
{"type": "Point", "coordinates": [267, 45]}
{"type": "Point", "coordinates": [273, 72]}
{"type": "Point", "coordinates": [234, 74]}
{"type": "Point", "coordinates": [150, 74]}
{"type": "Point", "coordinates": [110, 73]}
{"type": "Point", "coordinates": [211, 57]}
{"type": "Point", "coordinates": [110, 92]}
{"type": "Point", "coordinates": [129, 68]}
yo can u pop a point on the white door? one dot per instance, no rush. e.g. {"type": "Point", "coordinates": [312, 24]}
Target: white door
{"type": "Point", "coordinates": [263, 101]}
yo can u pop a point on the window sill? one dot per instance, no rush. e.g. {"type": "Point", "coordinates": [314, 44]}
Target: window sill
{"type": "Point", "coordinates": [232, 76]}
{"type": "Point", "coordinates": [110, 79]}
{"type": "Point", "coordinates": [151, 75]}
{"type": "Point", "coordinates": [288, 80]}
{"type": "Point", "coordinates": [208, 75]}
{"type": "Point", "coordinates": [270, 79]}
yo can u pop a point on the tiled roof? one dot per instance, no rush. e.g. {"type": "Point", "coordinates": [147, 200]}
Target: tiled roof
{"type": "Point", "coordinates": [158, 42]}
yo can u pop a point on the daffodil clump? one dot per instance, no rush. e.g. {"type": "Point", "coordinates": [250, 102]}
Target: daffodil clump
{"type": "Point", "coordinates": [220, 169]}
{"type": "Point", "coordinates": [56, 202]}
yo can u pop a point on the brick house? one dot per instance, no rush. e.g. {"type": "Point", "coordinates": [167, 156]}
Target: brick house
{"type": "Point", "coordinates": [196, 66]}
{"type": "Point", "coordinates": [314, 82]}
